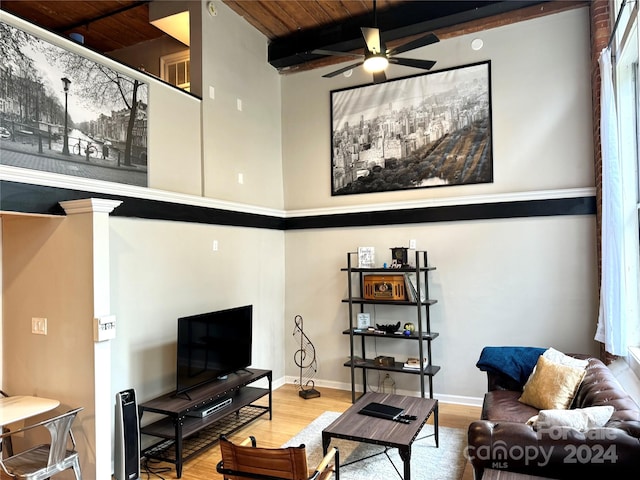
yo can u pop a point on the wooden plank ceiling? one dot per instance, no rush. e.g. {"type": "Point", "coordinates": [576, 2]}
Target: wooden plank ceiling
{"type": "Point", "coordinates": [106, 25]}
{"type": "Point", "coordinates": [292, 27]}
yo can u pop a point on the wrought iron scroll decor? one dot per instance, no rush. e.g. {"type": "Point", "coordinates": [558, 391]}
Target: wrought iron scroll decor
{"type": "Point", "coordinates": [305, 358]}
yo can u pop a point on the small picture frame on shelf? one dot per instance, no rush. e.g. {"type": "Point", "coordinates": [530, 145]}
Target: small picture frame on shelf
{"type": "Point", "coordinates": [366, 257]}
{"type": "Point", "coordinates": [364, 321]}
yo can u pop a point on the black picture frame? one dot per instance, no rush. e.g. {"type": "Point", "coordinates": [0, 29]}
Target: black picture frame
{"type": "Point", "coordinates": [428, 130]}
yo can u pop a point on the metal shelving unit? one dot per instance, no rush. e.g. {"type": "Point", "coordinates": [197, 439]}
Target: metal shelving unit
{"type": "Point", "coordinates": [421, 314]}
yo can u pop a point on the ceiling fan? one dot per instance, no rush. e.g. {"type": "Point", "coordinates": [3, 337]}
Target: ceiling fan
{"type": "Point", "coordinates": [376, 57]}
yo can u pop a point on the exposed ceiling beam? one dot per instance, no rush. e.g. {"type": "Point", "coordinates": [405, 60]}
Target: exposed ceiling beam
{"type": "Point", "coordinates": [89, 21]}
{"type": "Point", "coordinates": [410, 19]}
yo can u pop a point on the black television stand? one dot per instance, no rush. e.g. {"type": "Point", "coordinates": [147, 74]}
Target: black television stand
{"type": "Point", "coordinates": [181, 421]}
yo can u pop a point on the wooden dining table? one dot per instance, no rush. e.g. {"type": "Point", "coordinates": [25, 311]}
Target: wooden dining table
{"type": "Point", "coordinates": [21, 407]}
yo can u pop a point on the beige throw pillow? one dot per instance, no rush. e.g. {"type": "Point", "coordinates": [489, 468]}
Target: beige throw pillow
{"type": "Point", "coordinates": [551, 386]}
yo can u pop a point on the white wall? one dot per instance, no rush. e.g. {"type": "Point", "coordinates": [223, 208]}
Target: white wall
{"type": "Point", "coordinates": [522, 281]}
{"type": "Point", "coordinates": [541, 108]}
{"type": "Point", "coordinates": [238, 141]}
{"type": "Point", "coordinates": [164, 270]}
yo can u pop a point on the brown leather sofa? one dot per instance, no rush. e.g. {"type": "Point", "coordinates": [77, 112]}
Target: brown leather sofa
{"type": "Point", "coordinates": [503, 440]}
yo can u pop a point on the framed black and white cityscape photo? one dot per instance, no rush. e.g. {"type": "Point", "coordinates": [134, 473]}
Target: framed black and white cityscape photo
{"type": "Point", "coordinates": [427, 130]}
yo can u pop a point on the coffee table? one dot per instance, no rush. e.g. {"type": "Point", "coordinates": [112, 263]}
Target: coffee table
{"type": "Point", "coordinates": [356, 427]}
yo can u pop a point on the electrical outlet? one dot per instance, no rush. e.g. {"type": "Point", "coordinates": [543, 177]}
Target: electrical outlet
{"type": "Point", "coordinates": [412, 244]}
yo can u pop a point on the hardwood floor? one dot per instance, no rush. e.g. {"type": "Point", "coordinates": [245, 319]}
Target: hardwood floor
{"type": "Point", "coordinates": [291, 413]}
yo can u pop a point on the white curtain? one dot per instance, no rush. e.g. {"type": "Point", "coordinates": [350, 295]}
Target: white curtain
{"type": "Point", "coordinates": [612, 324]}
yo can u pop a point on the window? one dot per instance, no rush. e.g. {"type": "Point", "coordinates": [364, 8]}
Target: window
{"type": "Point", "coordinates": [627, 92]}
{"type": "Point", "coordinates": [176, 69]}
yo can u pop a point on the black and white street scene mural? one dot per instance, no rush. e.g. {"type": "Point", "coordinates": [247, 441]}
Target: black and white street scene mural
{"type": "Point", "coordinates": [421, 131]}
{"type": "Point", "coordinates": [63, 113]}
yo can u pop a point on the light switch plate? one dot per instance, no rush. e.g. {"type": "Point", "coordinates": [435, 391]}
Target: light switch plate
{"type": "Point", "coordinates": [104, 328]}
{"type": "Point", "coordinates": [39, 326]}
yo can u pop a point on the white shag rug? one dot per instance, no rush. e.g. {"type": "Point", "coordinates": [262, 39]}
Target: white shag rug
{"type": "Point", "coordinates": [446, 462]}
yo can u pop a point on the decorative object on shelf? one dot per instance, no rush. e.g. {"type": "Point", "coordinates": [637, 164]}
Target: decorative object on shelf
{"type": "Point", "coordinates": [414, 363]}
{"type": "Point", "coordinates": [412, 287]}
{"type": "Point", "coordinates": [389, 328]}
{"type": "Point", "coordinates": [364, 321]}
{"type": "Point", "coordinates": [366, 257]}
{"type": "Point", "coordinates": [384, 287]}
{"type": "Point", "coordinates": [409, 326]}
{"type": "Point", "coordinates": [399, 257]}
{"type": "Point", "coordinates": [305, 358]}
{"type": "Point", "coordinates": [384, 361]}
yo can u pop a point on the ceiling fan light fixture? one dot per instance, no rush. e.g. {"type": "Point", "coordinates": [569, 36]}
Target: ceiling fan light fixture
{"type": "Point", "coordinates": [375, 63]}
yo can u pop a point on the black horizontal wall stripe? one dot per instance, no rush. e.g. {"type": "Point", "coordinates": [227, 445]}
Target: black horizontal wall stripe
{"type": "Point", "coordinates": [26, 198]}
{"type": "Point", "coordinates": [19, 197]}
{"type": "Point", "coordinates": [157, 210]}
{"type": "Point", "coordinates": [483, 211]}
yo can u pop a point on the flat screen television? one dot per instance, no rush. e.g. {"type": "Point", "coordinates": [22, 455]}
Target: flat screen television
{"type": "Point", "coordinates": [212, 345]}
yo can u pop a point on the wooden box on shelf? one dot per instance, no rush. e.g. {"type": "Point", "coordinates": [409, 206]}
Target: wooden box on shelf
{"type": "Point", "coordinates": [384, 287]}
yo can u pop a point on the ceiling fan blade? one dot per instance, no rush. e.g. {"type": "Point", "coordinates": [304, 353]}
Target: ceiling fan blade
{"type": "Point", "coordinates": [417, 43]}
{"type": "Point", "coordinates": [336, 54]}
{"type": "Point", "coordinates": [372, 39]}
{"type": "Point", "coordinates": [412, 62]}
{"type": "Point", "coordinates": [343, 69]}
{"type": "Point", "coordinates": [379, 77]}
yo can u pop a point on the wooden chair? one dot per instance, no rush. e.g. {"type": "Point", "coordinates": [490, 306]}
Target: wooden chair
{"type": "Point", "coordinates": [43, 461]}
{"type": "Point", "coordinates": [246, 461]}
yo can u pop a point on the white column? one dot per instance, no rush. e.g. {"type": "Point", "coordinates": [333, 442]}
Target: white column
{"type": "Point", "coordinates": [102, 441]}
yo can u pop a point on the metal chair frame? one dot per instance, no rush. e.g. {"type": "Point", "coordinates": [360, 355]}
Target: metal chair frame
{"type": "Point", "coordinates": [43, 461]}
{"type": "Point", "coordinates": [6, 447]}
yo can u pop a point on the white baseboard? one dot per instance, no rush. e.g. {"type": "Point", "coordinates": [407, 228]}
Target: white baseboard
{"type": "Point", "coordinates": [454, 399]}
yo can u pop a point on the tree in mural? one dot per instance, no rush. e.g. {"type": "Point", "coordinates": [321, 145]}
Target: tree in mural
{"type": "Point", "coordinates": [101, 86]}
{"type": "Point", "coordinates": [28, 73]}
{"type": "Point", "coordinates": [12, 42]}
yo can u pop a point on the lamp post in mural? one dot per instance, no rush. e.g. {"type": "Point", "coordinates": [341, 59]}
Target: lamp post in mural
{"type": "Point", "coordinates": [65, 147]}
{"type": "Point", "coordinates": [38, 88]}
